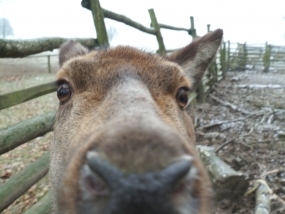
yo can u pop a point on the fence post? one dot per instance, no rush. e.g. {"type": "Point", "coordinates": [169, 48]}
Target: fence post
{"type": "Point", "coordinates": [192, 28]}
{"type": "Point", "coordinates": [208, 28]}
{"type": "Point", "coordinates": [98, 18]}
{"type": "Point", "coordinates": [49, 69]}
{"type": "Point", "coordinates": [266, 57]}
{"type": "Point", "coordinates": [229, 55]}
{"type": "Point", "coordinates": [200, 88]}
{"type": "Point", "coordinates": [155, 25]}
{"type": "Point", "coordinates": [212, 67]}
{"type": "Point", "coordinates": [223, 59]}
{"type": "Point", "coordinates": [244, 56]}
{"type": "Point", "coordinates": [241, 57]}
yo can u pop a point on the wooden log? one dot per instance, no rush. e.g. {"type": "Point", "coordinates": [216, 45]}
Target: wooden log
{"type": "Point", "coordinates": [262, 205]}
{"type": "Point", "coordinates": [23, 181]}
{"type": "Point", "coordinates": [173, 28]}
{"type": "Point", "coordinates": [43, 206]}
{"type": "Point", "coordinates": [120, 18]}
{"type": "Point", "coordinates": [127, 21]}
{"type": "Point", "coordinates": [98, 18]}
{"type": "Point", "coordinates": [154, 23]}
{"type": "Point", "coordinates": [227, 183]}
{"type": "Point", "coordinates": [25, 131]}
{"type": "Point", "coordinates": [21, 48]}
{"type": "Point", "coordinates": [17, 97]}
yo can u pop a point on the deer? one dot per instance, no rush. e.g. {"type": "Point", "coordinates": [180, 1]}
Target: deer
{"type": "Point", "coordinates": [123, 140]}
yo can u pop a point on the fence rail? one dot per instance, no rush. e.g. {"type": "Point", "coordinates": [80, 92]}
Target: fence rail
{"type": "Point", "coordinates": [20, 133]}
{"type": "Point", "coordinates": [23, 181]}
{"type": "Point", "coordinates": [40, 125]}
{"type": "Point", "coordinates": [253, 56]}
{"type": "Point", "coordinates": [24, 95]}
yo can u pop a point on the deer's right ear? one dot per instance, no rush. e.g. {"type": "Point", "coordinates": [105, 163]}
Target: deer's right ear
{"type": "Point", "coordinates": [70, 49]}
{"type": "Point", "coordinates": [195, 57]}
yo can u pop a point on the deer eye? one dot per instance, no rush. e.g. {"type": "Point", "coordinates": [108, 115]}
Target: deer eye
{"type": "Point", "coordinates": [182, 97]}
{"type": "Point", "coordinates": [63, 92]}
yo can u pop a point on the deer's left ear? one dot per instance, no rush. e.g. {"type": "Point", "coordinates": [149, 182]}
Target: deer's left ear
{"type": "Point", "coordinates": [70, 49]}
{"type": "Point", "coordinates": [196, 57]}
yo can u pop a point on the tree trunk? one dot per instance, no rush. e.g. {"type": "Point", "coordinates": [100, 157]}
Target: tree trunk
{"type": "Point", "coordinates": [22, 48]}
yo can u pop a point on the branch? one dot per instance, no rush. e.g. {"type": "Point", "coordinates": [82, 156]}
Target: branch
{"type": "Point", "coordinates": [22, 48]}
{"type": "Point", "coordinates": [232, 106]}
{"type": "Point", "coordinates": [223, 145]}
{"type": "Point", "coordinates": [257, 86]}
{"type": "Point", "coordinates": [223, 122]}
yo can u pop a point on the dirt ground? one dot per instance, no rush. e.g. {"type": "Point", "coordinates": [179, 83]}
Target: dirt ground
{"type": "Point", "coordinates": [254, 131]}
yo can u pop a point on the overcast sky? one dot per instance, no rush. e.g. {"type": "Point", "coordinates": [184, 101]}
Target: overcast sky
{"type": "Point", "coordinates": [251, 21]}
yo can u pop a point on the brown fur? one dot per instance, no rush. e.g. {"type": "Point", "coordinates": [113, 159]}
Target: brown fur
{"type": "Point", "coordinates": [123, 106]}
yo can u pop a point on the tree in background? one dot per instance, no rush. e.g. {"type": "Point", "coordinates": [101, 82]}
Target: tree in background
{"type": "Point", "coordinates": [5, 28]}
{"type": "Point", "coordinates": [112, 32]}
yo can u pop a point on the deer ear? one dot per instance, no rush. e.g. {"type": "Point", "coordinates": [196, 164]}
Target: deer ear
{"type": "Point", "coordinates": [70, 49]}
{"type": "Point", "coordinates": [196, 57]}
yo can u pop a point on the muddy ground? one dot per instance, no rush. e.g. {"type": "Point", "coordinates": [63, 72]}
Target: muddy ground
{"type": "Point", "coordinates": [255, 130]}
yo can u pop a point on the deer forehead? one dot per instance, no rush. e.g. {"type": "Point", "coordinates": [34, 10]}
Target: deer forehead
{"type": "Point", "coordinates": [103, 68]}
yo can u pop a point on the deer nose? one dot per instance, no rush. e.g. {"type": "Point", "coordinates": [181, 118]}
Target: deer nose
{"type": "Point", "coordinates": [114, 179]}
{"type": "Point", "coordinates": [150, 190]}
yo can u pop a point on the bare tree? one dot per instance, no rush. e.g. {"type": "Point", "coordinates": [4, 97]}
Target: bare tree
{"type": "Point", "coordinates": [5, 28]}
{"type": "Point", "coordinates": [112, 32]}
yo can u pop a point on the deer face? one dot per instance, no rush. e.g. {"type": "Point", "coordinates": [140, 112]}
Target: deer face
{"type": "Point", "coordinates": [123, 140]}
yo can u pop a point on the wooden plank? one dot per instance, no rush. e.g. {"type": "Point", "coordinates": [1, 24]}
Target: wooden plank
{"type": "Point", "coordinates": [18, 184]}
{"type": "Point", "coordinates": [27, 130]}
{"type": "Point", "coordinates": [24, 95]}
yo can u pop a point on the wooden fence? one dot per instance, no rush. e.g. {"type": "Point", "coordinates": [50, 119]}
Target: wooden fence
{"type": "Point", "coordinates": [241, 57]}
{"type": "Point", "coordinates": [27, 130]}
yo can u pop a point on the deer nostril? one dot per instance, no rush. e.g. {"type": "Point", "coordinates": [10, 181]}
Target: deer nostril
{"type": "Point", "coordinates": [176, 171]}
{"type": "Point", "coordinates": [108, 173]}
{"type": "Point", "coordinates": [91, 185]}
